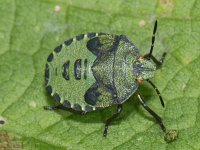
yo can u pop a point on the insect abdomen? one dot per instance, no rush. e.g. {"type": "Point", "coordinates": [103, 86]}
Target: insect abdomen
{"type": "Point", "coordinates": [80, 71]}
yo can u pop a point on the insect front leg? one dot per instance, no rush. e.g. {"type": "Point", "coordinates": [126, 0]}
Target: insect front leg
{"type": "Point", "coordinates": [157, 117]}
{"type": "Point", "coordinates": [159, 62]}
{"type": "Point", "coordinates": [109, 120]}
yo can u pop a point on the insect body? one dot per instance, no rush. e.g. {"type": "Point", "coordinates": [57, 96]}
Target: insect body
{"type": "Point", "coordinates": [97, 70]}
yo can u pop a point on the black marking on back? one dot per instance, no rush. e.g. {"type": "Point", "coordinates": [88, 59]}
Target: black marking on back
{"type": "Point", "coordinates": [2, 121]}
{"type": "Point", "coordinates": [77, 107]}
{"type": "Point", "coordinates": [56, 97]}
{"type": "Point", "coordinates": [77, 69]}
{"type": "Point", "coordinates": [126, 40]}
{"type": "Point", "coordinates": [49, 89]}
{"type": "Point", "coordinates": [46, 74]}
{"type": "Point", "coordinates": [67, 104]}
{"type": "Point", "coordinates": [65, 72]}
{"type": "Point", "coordinates": [88, 108]}
{"type": "Point", "coordinates": [92, 95]}
{"type": "Point", "coordinates": [93, 44]}
{"type": "Point", "coordinates": [85, 68]}
{"type": "Point", "coordinates": [101, 33]}
{"type": "Point", "coordinates": [98, 108]}
{"type": "Point", "coordinates": [68, 42]}
{"type": "Point", "coordinates": [91, 35]}
{"type": "Point", "coordinates": [58, 49]}
{"type": "Point", "coordinates": [50, 57]}
{"type": "Point", "coordinates": [138, 68]}
{"type": "Point", "coordinates": [115, 44]}
{"type": "Point", "coordinates": [79, 37]}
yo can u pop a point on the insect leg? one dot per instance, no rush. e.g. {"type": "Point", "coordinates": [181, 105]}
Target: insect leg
{"type": "Point", "coordinates": [158, 62]}
{"type": "Point", "coordinates": [158, 118]}
{"type": "Point", "coordinates": [157, 92]}
{"type": "Point", "coordinates": [109, 120]}
{"type": "Point", "coordinates": [61, 107]}
{"type": "Point", "coordinates": [54, 107]}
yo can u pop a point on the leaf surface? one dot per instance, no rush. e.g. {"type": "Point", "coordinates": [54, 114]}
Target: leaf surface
{"type": "Point", "coordinates": [30, 30]}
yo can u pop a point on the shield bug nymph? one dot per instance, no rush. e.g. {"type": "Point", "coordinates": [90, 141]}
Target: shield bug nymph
{"type": "Point", "coordinates": [96, 70]}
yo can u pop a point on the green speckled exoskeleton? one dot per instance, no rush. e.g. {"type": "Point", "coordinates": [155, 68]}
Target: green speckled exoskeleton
{"type": "Point", "coordinates": [97, 70]}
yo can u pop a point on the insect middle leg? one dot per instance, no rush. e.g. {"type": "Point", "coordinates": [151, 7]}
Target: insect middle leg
{"type": "Point", "coordinates": [157, 117]}
{"type": "Point", "coordinates": [109, 120]}
{"type": "Point", "coordinates": [54, 107]}
{"type": "Point", "coordinates": [61, 107]}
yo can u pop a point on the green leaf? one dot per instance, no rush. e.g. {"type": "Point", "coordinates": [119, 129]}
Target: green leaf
{"type": "Point", "coordinates": [30, 30]}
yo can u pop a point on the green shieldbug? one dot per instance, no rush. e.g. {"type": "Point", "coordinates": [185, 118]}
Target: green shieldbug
{"type": "Point", "coordinates": [97, 70]}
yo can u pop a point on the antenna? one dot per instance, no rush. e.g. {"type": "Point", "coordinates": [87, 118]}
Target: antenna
{"type": "Point", "coordinates": [153, 39]}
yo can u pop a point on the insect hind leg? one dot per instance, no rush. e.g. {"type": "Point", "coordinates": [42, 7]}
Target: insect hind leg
{"type": "Point", "coordinates": [54, 107]}
{"type": "Point", "coordinates": [109, 120]}
{"type": "Point", "coordinates": [61, 107]}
